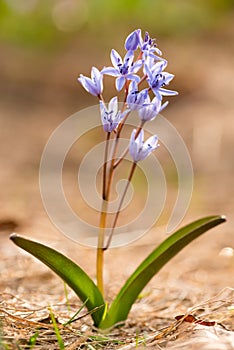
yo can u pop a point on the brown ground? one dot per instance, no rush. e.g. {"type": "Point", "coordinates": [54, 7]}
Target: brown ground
{"type": "Point", "coordinates": [200, 278]}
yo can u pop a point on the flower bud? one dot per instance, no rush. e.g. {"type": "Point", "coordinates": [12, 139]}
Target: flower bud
{"type": "Point", "coordinates": [132, 41]}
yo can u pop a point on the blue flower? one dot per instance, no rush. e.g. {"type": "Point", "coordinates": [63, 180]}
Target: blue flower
{"type": "Point", "coordinates": [136, 98]}
{"type": "Point", "coordinates": [139, 149]}
{"type": "Point", "coordinates": [151, 109]}
{"type": "Point", "coordinates": [156, 79]}
{"type": "Point", "coordinates": [148, 46]}
{"type": "Point", "coordinates": [110, 115]}
{"type": "Point", "coordinates": [123, 69]}
{"type": "Point", "coordinates": [94, 85]}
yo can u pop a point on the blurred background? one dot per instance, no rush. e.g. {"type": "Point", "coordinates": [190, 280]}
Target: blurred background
{"type": "Point", "coordinates": [46, 44]}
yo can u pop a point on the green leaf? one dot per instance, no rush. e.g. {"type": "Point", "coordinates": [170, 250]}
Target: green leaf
{"type": "Point", "coordinates": [71, 273]}
{"type": "Point", "coordinates": [123, 302]}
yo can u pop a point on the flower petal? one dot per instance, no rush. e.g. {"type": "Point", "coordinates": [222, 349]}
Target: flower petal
{"type": "Point", "coordinates": [97, 79]}
{"type": "Point", "coordinates": [166, 92]}
{"type": "Point", "coordinates": [147, 112]}
{"type": "Point", "coordinates": [157, 93]}
{"type": "Point", "coordinates": [140, 137]}
{"type": "Point", "coordinates": [168, 77]}
{"type": "Point", "coordinates": [148, 72]}
{"type": "Point", "coordinates": [136, 99]}
{"type": "Point", "coordinates": [128, 58]}
{"type": "Point", "coordinates": [113, 106]}
{"type": "Point", "coordinates": [88, 85]}
{"type": "Point", "coordinates": [141, 41]}
{"type": "Point", "coordinates": [158, 67]}
{"type": "Point", "coordinates": [149, 146]}
{"type": "Point", "coordinates": [133, 146]}
{"type": "Point", "coordinates": [134, 77]}
{"type": "Point", "coordinates": [136, 66]}
{"type": "Point", "coordinates": [110, 71]}
{"type": "Point", "coordinates": [95, 74]}
{"type": "Point", "coordinates": [163, 106]}
{"type": "Point", "coordinates": [152, 142]}
{"type": "Point", "coordinates": [116, 59]}
{"type": "Point", "coordinates": [119, 83]}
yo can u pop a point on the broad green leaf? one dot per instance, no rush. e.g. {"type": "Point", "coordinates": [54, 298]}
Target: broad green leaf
{"type": "Point", "coordinates": [71, 273]}
{"type": "Point", "coordinates": [123, 302]}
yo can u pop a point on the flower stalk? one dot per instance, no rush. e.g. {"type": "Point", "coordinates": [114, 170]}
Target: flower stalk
{"type": "Point", "coordinates": [129, 73]}
{"type": "Point", "coordinates": [100, 247]}
{"type": "Point", "coordinates": [102, 223]}
{"type": "Point", "coordinates": [120, 205]}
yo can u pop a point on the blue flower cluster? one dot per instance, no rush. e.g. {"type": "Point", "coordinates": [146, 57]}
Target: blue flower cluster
{"type": "Point", "coordinates": [126, 72]}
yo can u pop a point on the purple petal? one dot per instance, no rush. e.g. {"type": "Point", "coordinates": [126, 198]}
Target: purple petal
{"type": "Point", "coordinates": [102, 112]}
{"type": "Point", "coordinates": [158, 67]}
{"type": "Point", "coordinates": [119, 83]}
{"type": "Point", "coordinates": [140, 137]}
{"type": "Point", "coordinates": [147, 98]}
{"type": "Point", "coordinates": [110, 71]}
{"type": "Point", "coordinates": [136, 66]}
{"type": "Point", "coordinates": [97, 79]}
{"type": "Point", "coordinates": [150, 53]}
{"type": "Point", "coordinates": [149, 146]}
{"type": "Point", "coordinates": [128, 58]}
{"type": "Point", "coordinates": [163, 106]}
{"type": "Point", "coordinates": [95, 74]}
{"type": "Point", "coordinates": [133, 145]}
{"type": "Point", "coordinates": [143, 154]}
{"type": "Point", "coordinates": [166, 92]}
{"type": "Point", "coordinates": [122, 115]}
{"type": "Point", "coordinates": [113, 105]}
{"type": "Point", "coordinates": [141, 41]}
{"type": "Point", "coordinates": [88, 84]}
{"type": "Point", "coordinates": [132, 87]}
{"type": "Point", "coordinates": [152, 141]}
{"type": "Point", "coordinates": [168, 77]}
{"type": "Point", "coordinates": [157, 103]}
{"type": "Point", "coordinates": [159, 52]}
{"type": "Point", "coordinates": [147, 71]}
{"type": "Point", "coordinates": [147, 113]}
{"type": "Point", "coordinates": [149, 62]}
{"type": "Point", "coordinates": [157, 93]}
{"type": "Point", "coordinates": [116, 59]}
{"type": "Point", "coordinates": [133, 77]}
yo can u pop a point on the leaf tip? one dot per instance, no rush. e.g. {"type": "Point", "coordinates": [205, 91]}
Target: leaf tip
{"type": "Point", "coordinates": [13, 236]}
{"type": "Point", "coordinates": [223, 218]}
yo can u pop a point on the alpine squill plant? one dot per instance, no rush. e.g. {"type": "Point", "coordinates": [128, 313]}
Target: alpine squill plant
{"type": "Point", "coordinates": [141, 80]}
